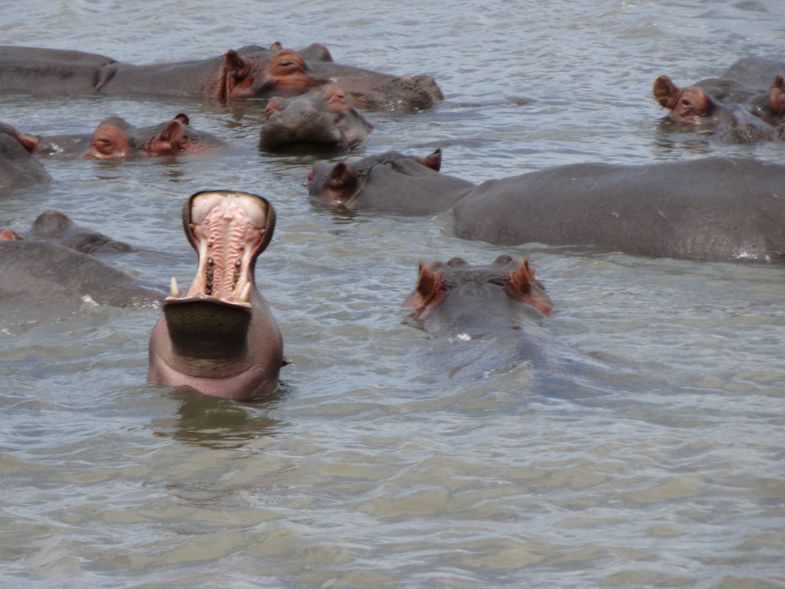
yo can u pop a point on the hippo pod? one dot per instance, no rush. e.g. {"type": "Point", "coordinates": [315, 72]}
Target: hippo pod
{"type": "Point", "coordinates": [389, 182]}
{"type": "Point", "coordinates": [250, 72]}
{"type": "Point", "coordinates": [220, 337]}
{"type": "Point", "coordinates": [322, 118]}
{"type": "Point", "coordinates": [489, 316]}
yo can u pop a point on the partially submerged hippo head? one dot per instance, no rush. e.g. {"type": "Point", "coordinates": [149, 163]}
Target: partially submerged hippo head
{"type": "Point", "coordinates": [389, 182]}
{"type": "Point", "coordinates": [285, 73]}
{"type": "Point", "coordinates": [58, 227]}
{"type": "Point", "coordinates": [220, 337]}
{"type": "Point", "coordinates": [770, 106]}
{"type": "Point", "coordinates": [115, 138]}
{"type": "Point", "coordinates": [323, 118]}
{"type": "Point", "coordinates": [691, 105]}
{"type": "Point", "coordinates": [438, 281]}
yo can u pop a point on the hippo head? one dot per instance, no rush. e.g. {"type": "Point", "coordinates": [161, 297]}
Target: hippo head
{"type": "Point", "coordinates": [436, 281]}
{"type": "Point", "coordinates": [115, 138]}
{"type": "Point", "coordinates": [690, 105]}
{"type": "Point", "coordinates": [323, 118]}
{"type": "Point", "coordinates": [220, 337]}
{"type": "Point", "coordinates": [228, 230]}
{"type": "Point", "coordinates": [770, 106]}
{"type": "Point", "coordinates": [340, 185]}
{"type": "Point", "coordinates": [285, 73]}
{"type": "Point", "coordinates": [29, 142]}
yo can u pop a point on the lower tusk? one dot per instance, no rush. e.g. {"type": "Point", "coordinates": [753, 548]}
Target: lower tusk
{"type": "Point", "coordinates": [246, 293]}
{"type": "Point", "coordinates": [174, 292]}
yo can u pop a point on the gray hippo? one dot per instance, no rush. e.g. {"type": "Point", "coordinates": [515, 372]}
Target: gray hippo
{"type": "Point", "coordinates": [722, 209]}
{"type": "Point", "coordinates": [746, 87]}
{"type": "Point", "coordinates": [45, 275]}
{"type": "Point", "coordinates": [57, 227]}
{"type": "Point", "coordinates": [389, 182]}
{"type": "Point", "coordinates": [18, 168]}
{"type": "Point", "coordinates": [247, 73]}
{"type": "Point", "coordinates": [488, 318]}
{"type": "Point", "coordinates": [115, 138]}
{"type": "Point", "coordinates": [320, 119]}
{"type": "Point", "coordinates": [220, 338]}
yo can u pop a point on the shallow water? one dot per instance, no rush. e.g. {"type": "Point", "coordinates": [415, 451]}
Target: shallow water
{"type": "Point", "coordinates": [373, 468]}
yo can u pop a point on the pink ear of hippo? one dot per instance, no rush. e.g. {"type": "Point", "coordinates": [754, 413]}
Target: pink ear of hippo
{"type": "Point", "coordinates": [9, 235]}
{"type": "Point", "coordinates": [526, 288]}
{"type": "Point", "coordinates": [429, 290]}
{"type": "Point", "coordinates": [777, 94]}
{"type": "Point", "coordinates": [666, 93]}
{"type": "Point", "coordinates": [433, 160]}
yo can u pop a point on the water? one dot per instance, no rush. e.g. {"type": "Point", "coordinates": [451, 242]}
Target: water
{"type": "Point", "coordinates": [372, 468]}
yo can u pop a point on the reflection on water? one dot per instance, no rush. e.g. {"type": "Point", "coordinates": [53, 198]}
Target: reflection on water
{"type": "Point", "coordinates": [216, 423]}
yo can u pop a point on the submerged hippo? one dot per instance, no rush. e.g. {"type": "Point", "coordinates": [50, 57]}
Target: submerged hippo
{"type": "Point", "coordinates": [322, 118]}
{"type": "Point", "coordinates": [745, 88]}
{"type": "Point", "coordinates": [389, 182]}
{"type": "Point", "coordinates": [17, 167]}
{"type": "Point", "coordinates": [246, 73]}
{"type": "Point", "coordinates": [220, 337]}
{"type": "Point", "coordinates": [115, 138]}
{"type": "Point", "coordinates": [57, 227]}
{"type": "Point", "coordinates": [490, 315]}
{"type": "Point", "coordinates": [721, 209]}
{"type": "Point", "coordinates": [45, 275]}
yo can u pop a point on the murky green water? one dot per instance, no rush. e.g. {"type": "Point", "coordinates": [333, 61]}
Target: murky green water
{"type": "Point", "coordinates": [372, 468]}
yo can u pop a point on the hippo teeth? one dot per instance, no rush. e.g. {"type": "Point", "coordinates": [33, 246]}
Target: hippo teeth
{"type": "Point", "coordinates": [174, 292]}
{"type": "Point", "coordinates": [245, 295]}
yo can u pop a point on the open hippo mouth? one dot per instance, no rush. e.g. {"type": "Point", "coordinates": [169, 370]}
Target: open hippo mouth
{"type": "Point", "coordinates": [228, 230]}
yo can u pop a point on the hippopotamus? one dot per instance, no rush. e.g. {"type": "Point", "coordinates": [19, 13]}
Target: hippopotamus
{"type": "Point", "coordinates": [57, 227]}
{"type": "Point", "coordinates": [721, 209]}
{"type": "Point", "coordinates": [40, 72]}
{"type": "Point", "coordinates": [246, 73]}
{"type": "Point", "coordinates": [18, 168]}
{"type": "Point", "coordinates": [46, 275]}
{"type": "Point", "coordinates": [389, 182]}
{"type": "Point", "coordinates": [713, 102]}
{"type": "Point", "coordinates": [220, 338]}
{"type": "Point", "coordinates": [491, 316]}
{"type": "Point", "coordinates": [322, 118]}
{"type": "Point", "coordinates": [115, 138]}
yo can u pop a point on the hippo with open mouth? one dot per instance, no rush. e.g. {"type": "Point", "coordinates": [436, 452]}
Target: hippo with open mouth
{"type": "Point", "coordinates": [220, 338]}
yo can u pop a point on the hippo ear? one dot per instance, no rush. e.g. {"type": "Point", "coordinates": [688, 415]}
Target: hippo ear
{"type": "Point", "coordinates": [429, 290]}
{"type": "Point", "coordinates": [777, 94]}
{"type": "Point", "coordinates": [665, 92]}
{"type": "Point", "coordinates": [173, 131]}
{"type": "Point", "coordinates": [183, 118]}
{"type": "Point", "coordinates": [524, 287]}
{"type": "Point", "coordinates": [29, 142]}
{"type": "Point", "coordinates": [433, 161]}
{"type": "Point", "coordinates": [276, 46]}
{"type": "Point", "coordinates": [9, 235]}
{"type": "Point", "coordinates": [235, 65]}
{"type": "Point", "coordinates": [343, 180]}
